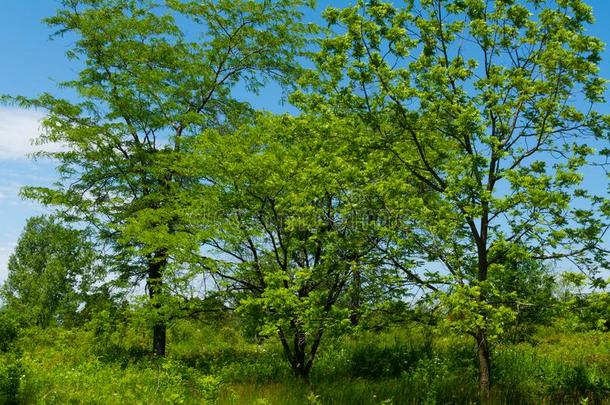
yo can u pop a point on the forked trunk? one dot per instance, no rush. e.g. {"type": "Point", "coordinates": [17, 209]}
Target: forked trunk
{"type": "Point", "coordinates": [300, 365]}
{"type": "Point", "coordinates": [301, 359]}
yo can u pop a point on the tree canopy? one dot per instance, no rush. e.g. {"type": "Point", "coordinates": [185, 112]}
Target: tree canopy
{"type": "Point", "coordinates": [438, 154]}
{"type": "Point", "coordinates": [149, 80]}
{"type": "Point", "coordinates": [488, 106]}
{"type": "Point", "coordinates": [50, 273]}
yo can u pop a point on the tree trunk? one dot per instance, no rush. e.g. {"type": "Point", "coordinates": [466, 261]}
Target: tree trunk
{"type": "Point", "coordinates": [297, 353]}
{"type": "Point", "coordinates": [484, 365]}
{"type": "Point", "coordinates": [481, 334]}
{"type": "Point", "coordinates": [155, 284]}
{"type": "Point", "coordinates": [159, 338]}
{"type": "Point", "coordinates": [301, 372]}
{"type": "Point", "coordinates": [299, 367]}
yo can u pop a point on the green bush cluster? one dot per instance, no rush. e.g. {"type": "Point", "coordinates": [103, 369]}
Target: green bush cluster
{"type": "Point", "coordinates": [11, 375]}
{"type": "Point", "coordinates": [101, 383]}
{"type": "Point", "coordinates": [558, 369]}
{"type": "Point", "coordinates": [9, 330]}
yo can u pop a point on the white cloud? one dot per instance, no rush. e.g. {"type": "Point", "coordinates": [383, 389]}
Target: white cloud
{"type": "Point", "coordinates": [5, 253]}
{"type": "Point", "coordinates": [18, 128]}
{"type": "Point", "coordinates": [9, 191]}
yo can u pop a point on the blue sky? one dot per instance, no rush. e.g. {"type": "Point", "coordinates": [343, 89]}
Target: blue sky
{"type": "Point", "coordinates": [33, 64]}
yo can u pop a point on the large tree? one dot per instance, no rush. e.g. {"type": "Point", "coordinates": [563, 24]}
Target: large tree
{"type": "Point", "coordinates": [154, 73]}
{"type": "Point", "coordinates": [50, 273]}
{"type": "Point", "coordinates": [283, 225]}
{"type": "Point", "coordinates": [488, 106]}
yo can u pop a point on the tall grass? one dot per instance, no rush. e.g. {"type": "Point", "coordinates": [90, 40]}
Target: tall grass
{"type": "Point", "coordinates": [214, 364]}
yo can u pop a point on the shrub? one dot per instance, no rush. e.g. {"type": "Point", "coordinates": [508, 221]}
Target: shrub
{"type": "Point", "coordinates": [9, 331]}
{"type": "Point", "coordinates": [11, 372]}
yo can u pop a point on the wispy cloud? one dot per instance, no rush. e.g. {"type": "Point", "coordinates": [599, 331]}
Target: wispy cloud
{"type": "Point", "coordinates": [18, 129]}
{"type": "Point", "coordinates": [9, 191]}
{"type": "Point", "coordinates": [5, 253]}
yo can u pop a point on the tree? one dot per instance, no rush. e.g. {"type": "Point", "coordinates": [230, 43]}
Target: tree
{"type": "Point", "coordinates": [49, 274]}
{"type": "Point", "coordinates": [528, 288]}
{"type": "Point", "coordinates": [281, 218]}
{"type": "Point", "coordinates": [9, 330]}
{"type": "Point", "coordinates": [583, 304]}
{"type": "Point", "coordinates": [488, 106]}
{"type": "Point", "coordinates": [154, 74]}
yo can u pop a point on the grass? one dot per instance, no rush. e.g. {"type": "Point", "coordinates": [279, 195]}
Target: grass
{"type": "Point", "coordinates": [215, 364]}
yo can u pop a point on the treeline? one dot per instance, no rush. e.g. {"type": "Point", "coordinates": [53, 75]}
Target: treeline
{"type": "Point", "coordinates": [435, 170]}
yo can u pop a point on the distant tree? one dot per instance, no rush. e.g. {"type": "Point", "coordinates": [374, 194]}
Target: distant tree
{"type": "Point", "coordinates": [9, 329]}
{"type": "Point", "coordinates": [154, 74]}
{"type": "Point", "coordinates": [584, 303]}
{"type": "Point", "coordinates": [49, 274]}
{"type": "Point", "coordinates": [487, 105]}
{"type": "Point", "coordinates": [529, 288]}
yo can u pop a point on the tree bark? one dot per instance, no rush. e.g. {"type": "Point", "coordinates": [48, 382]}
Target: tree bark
{"type": "Point", "coordinates": [301, 372]}
{"type": "Point", "coordinates": [155, 284]}
{"type": "Point", "coordinates": [484, 365]}
{"type": "Point", "coordinates": [300, 360]}
{"type": "Point", "coordinates": [299, 367]}
{"type": "Point", "coordinates": [481, 334]}
{"type": "Point", "coordinates": [159, 338]}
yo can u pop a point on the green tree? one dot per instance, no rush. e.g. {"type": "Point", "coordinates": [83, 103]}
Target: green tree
{"type": "Point", "coordinates": [282, 223]}
{"type": "Point", "coordinates": [584, 303]}
{"type": "Point", "coordinates": [154, 73]}
{"type": "Point", "coordinates": [488, 106]}
{"type": "Point", "coordinates": [49, 274]}
{"type": "Point", "coordinates": [9, 330]}
{"type": "Point", "coordinates": [529, 289]}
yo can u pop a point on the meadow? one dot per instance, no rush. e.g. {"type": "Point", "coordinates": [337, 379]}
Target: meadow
{"type": "Point", "coordinates": [213, 363]}
{"type": "Point", "coordinates": [279, 202]}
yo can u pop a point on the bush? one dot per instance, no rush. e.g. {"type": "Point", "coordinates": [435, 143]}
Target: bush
{"type": "Point", "coordinates": [9, 331]}
{"type": "Point", "coordinates": [560, 369]}
{"type": "Point", "coordinates": [374, 361]}
{"type": "Point", "coordinates": [11, 373]}
{"type": "Point", "coordinates": [95, 382]}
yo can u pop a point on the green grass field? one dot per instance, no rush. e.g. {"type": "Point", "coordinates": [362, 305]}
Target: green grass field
{"type": "Point", "coordinates": [215, 365]}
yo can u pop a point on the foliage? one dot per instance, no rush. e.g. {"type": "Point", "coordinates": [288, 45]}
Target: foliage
{"type": "Point", "coordinates": [279, 212]}
{"type": "Point", "coordinates": [50, 273]}
{"type": "Point", "coordinates": [154, 75]}
{"type": "Point", "coordinates": [581, 310]}
{"type": "Point", "coordinates": [11, 375]}
{"type": "Point", "coordinates": [9, 330]}
{"type": "Point", "coordinates": [533, 290]}
{"type": "Point", "coordinates": [496, 137]}
{"type": "Point", "coordinates": [406, 365]}
{"type": "Point", "coordinates": [423, 191]}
